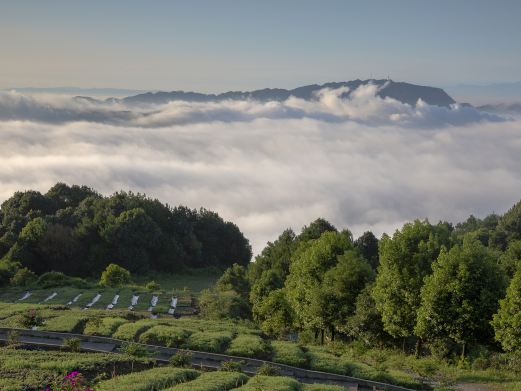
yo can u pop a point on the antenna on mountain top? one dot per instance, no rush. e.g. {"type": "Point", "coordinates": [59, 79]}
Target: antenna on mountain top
{"type": "Point", "coordinates": [388, 78]}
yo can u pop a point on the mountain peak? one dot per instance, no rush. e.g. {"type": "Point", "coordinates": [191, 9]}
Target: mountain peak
{"type": "Point", "coordinates": [404, 92]}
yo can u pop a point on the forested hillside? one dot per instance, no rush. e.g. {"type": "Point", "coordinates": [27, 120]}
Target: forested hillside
{"type": "Point", "coordinates": [438, 288]}
{"type": "Point", "coordinates": [77, 231]}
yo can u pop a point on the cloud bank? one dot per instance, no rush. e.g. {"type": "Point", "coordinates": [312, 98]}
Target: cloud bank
{"type": "Point", "coordinates": [363, 163]}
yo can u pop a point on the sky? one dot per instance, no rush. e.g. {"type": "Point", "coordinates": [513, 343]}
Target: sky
{"type": "Point", "coordinates": [214, 46]}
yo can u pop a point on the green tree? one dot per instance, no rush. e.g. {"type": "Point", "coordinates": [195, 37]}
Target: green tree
{"type": "Point", "coordinates": [511, 258]}
{"type": "Point", "coordinates": [342, 284]}
{"type": "Point", "coordinates": [304, 283]}
{"type": "Point", "coordinates": [23, 277]}
{"type": "Point", "coordinates": [460, 297]}
{"type": "Point", "coordinates": [366, 322]}
{"type": "Point", "coordinates": [367, 244]}
{"type": "Point", "coordinates": [25, 250]}
{"type": "Point", "coordinates": [268, 281]}
{"type": "Point", "coordinates": [405, 260]}
{"type": "Point", "coordinates": [508, 228]}
{"type": "Point", "coordinates": [316, 229]}
{"type": "Point", "coordinates": [133, 238]}
{"type": "Point", "coordinates": [223, 305]}
{"type": "Point", "coordinates": [234, 279]}
{"type": "Point", "coordinates": [507, 321]}
{"type": "Point", "coordinates": [274, 313]}
{"type": "Point", "coordinates": [115, 276]}
{"type": "Point", "coordinates": [275, 256]}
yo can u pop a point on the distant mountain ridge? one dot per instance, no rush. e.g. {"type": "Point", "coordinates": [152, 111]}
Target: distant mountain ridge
{"type": "Point", "coordinates": [401, 91]}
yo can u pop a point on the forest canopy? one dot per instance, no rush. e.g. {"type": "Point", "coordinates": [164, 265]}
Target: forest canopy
{"type": "Point", "coordinates": [440, 286]}
{"type": "Point", "coordinates": [77, 231]}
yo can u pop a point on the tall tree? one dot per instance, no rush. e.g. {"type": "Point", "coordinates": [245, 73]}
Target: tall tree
{"type": "Point", "coordinates": [367, 244]}
{"type": "Point", "coordinates": [405, 260]}
{"type": "Point", "coordinates": [275, 256]}
{"type": "Point", "coordinates": [303, 285]}
{"type": "Point", "coordinates": [511, 258]}
{"type": "Point", "coordinates": [507, 321]}
{"type": "Point", "coordinates": [234, 279]}
{"type": "Point", "coordinates": [315, 229]}
{"type": "Point", "coordinates": [460, 297]}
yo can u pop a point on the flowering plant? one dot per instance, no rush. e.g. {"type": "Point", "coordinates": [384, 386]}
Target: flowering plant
{"type": "Point", "coordinates": [73, 381]}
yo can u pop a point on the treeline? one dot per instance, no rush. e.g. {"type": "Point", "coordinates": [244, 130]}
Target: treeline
{"type": "Point", "coordinates": [428, 285]}
{"type": "Point", "coordinates": [77, 231]}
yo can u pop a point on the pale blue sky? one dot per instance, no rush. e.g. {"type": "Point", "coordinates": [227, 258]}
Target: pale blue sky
{"type": "Point", "coordinates": [220, 45]}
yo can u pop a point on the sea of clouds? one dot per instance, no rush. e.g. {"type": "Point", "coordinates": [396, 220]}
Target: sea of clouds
{"type": "Point", "coordinates": [365, 163]}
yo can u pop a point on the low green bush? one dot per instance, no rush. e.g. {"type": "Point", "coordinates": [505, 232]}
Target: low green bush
{"type": "Point", "coordinates": [73, 344]}
{"type": "Point", "coordinates": [232, 365]}
{"type": "Point", "coordinates": [182, 358]}
{"type": "Point", "coordinates": [103, 326]}
{"type": "Point", "coordinates": [249, 346]}
{"type": "Point", "coordinates": [267, 369]}
{"type": "Point", "coordinates": [320, 360]}
{"type": "Point", "coordinates": [272, 383]}
{"type": "Point", "coordinates": [213, 381]}
{"type": "Point", "coordinates": [152, 286]}
{"type": "Point", "coordinates": [70, 323]}
{"type": "Point", "coordinates": [165, 335]}
{"type": "Point", "coordinates": [289, 353]}
{"type": "Point", "coordinates": [209, 341]}
{"type": "Point", "coordinates": [132, 330]}
{"type": "Point", "coordinates": [152, 379]}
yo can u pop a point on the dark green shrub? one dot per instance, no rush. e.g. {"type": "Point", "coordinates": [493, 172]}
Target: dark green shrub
{"type": "Point", "coordinates": [182, 359]}
{"type": "Point", "coordinates": [231, 366]}
{"type": "Point", "coordinates": [268, 370]}
{"type": "Point", "coordinates": [73, 344]}
{"type": "Point", "coordinates": [31, 318]}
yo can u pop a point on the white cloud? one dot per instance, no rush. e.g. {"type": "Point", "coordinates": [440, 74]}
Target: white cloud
{"type": "Point", "coordinates": [366, 163]}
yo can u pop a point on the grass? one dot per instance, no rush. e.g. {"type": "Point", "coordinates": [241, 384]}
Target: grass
{"type": "Point", "coordinates": [209, 341]}
{"type": "Point", "coordinates": [272, 383]}
{"type": "Point", "coordinates": [152, 379]}
{"type": "Point", "coordinates": [246, 345]}
{"type": "Point", "coordinates": [213, 381]}
{"type": "Point", "coordinates": [165, 335]}
{"type": "Point", "coordinates": [194, 280]}
{"type": "Point", "coordinates": [289, 353]}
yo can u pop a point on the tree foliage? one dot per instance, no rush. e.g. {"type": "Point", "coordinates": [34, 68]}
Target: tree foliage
{"type": "Point", "coordinates": [507, 321]}
{"type": "Point", "coordinates": [405, 260]}
{"type": "Point", "coordinates": [75, 230]}
{"type": "Point", "coordinates": [460, 297]}
{"type": "Point", "coordinates": [234, 279]}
